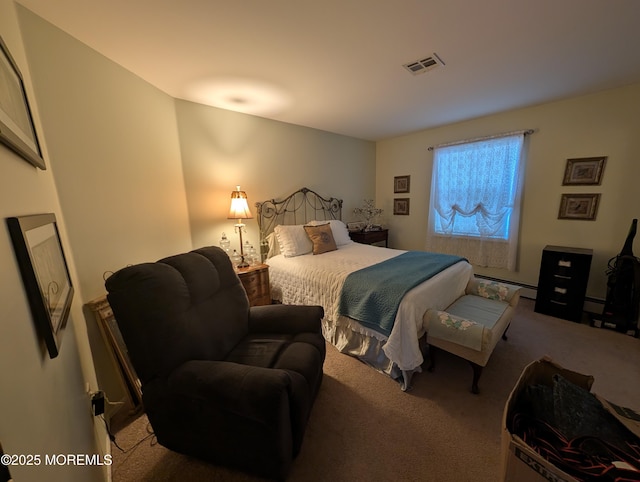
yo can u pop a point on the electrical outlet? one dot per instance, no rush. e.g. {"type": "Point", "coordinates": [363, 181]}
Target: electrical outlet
{"type": "Point", "coordinates": [97, 403]}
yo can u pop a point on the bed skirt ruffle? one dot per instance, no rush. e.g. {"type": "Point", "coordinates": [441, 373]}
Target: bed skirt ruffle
{"type": "Point", "coordinates": [352, 339]}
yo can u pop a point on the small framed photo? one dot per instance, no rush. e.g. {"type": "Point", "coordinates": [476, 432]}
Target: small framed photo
{"type": "Point", "coordinates": [45, 275]}
{"type": "Point", "coordinates": [586, 171]}
{"type": "Point", "coordinates": [355, 227]}
{"type": "Point", "coordinates": [401, 184]}
{"type": "Point", "coordinates": [579, 206]}
{"type": "Point", "coordinates": [401, 206]}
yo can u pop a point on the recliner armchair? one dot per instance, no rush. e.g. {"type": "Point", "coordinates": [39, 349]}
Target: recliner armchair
{"type": "Point", "coordinates": [221, 381]}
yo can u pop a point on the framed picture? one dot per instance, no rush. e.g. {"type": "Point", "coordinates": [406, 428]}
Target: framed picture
{"type": "Point", "coordinates": [401, 206]}
{"type": "Point", "coordinates": [45, 274]}
{"type": "Point", "coordinates": [16, 124]}
{"type": "Point", "coordinates": [113, 338]}
{"type": "Point", "coordinates": [356, 226]}
{"type": "Point", "coordinates": [579, 206]}
{"type": "Point", "coordinates": [584, 172]}
{"type": "Point", "coordinates": [401, 184]}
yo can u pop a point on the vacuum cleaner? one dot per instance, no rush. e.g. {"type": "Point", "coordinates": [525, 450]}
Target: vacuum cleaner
{"type": "Point", "coordinates": [622, 304]}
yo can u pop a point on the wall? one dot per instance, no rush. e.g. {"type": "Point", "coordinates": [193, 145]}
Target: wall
{"type": "Point", "coordinates": [268, 159]}
{"type": "Point", "coordinates": [44, 407]}
{"type": "Point", "coordinates": [134, 183]}
{"type": "Point", "coordinates": [121, 149]}
{"type": "Point", "coordinates": [602, 124]}
{"type": "Point", "coordinates": [114, 153]}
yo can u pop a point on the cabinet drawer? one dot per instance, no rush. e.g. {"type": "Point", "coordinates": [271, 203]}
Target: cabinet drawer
{"type": "Point", "coordinates": [255, 281]}
{"type": "Point", "coordinates": [566, 267]}
{"type": "Point", "coordinates": [560, 295]}
{"type": "Point", "coordinates": [256, 289]}
{"type": "Point", "coordinates": [252, 281]}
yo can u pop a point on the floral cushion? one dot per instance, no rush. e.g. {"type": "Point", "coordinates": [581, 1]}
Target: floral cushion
{"type": "Point", "coordinates": [466, 320]}
{"type": "Point", "coordinates": [456, 322]}
{"type": "Point", "coordinates": [492, 290]}
{"type": "Point", "coordinates": [455, 329]}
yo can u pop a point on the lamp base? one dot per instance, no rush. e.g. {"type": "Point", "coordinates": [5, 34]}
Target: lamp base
{"type": "Point", "coordinates": [243, 264]}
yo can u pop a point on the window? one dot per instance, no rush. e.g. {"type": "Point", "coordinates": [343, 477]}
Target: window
{"type": "Point", "coordinates": [475, 200]}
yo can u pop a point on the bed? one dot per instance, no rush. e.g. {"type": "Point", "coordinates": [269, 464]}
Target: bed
{"type": "Point", "coordinates": [298, 276]}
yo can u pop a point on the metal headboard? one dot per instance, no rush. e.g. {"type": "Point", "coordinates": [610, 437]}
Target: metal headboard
{"type": "Point", "coordinates": [300, 207]}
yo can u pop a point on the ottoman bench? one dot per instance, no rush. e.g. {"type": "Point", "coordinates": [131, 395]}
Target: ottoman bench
{"type": "Point", "coordinates": [472, 325]}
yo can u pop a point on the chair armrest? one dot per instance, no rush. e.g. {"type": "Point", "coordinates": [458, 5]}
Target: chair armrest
{"type": "Point", "coordinates": [494, 290]}
{"type": "Point", "coordinates": [285, 319]}
{"type": "Point", "coordinates": [242, 389]}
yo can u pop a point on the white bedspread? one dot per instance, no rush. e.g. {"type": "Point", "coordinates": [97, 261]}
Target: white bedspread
{"type": "Point", "coordinates": [318, 279]}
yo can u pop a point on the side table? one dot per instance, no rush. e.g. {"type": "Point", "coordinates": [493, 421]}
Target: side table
{"type": "Point", "coordinates": [255, 280]}
{"type": "Point", "coordinates": [371, 237]}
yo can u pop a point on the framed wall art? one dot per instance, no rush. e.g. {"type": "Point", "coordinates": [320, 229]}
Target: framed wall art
{"type": "Point", "coordinates": [113, 338]}
{"type": "Point", "coordinates": [16, 124]}
{"type": "Point", "coordinates": [579, 206]}
{"type": "Point", "coordinates": [586, 171]}
{"type": "Point", "coordinates": [45, 274]}
{"type": "Point", "coordinates": [401, 206]}
{"type": "Point", "coordinates": [401, 184]}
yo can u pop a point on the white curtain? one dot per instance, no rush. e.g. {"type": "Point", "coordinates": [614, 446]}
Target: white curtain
{"type": "Point", "coordinates": [475, 200]}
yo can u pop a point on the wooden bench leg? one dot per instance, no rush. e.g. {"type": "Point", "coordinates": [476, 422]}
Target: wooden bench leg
{"type": "Point", "coordinates": [477, 371]}
{"type": "Point", "coordinates": [504, 335]}
{"type": "Point", "coordinates": [432, 358]}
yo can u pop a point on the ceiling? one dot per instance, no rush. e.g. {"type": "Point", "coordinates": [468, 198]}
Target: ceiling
{"type": "Point", "coordinates": [337, 65]}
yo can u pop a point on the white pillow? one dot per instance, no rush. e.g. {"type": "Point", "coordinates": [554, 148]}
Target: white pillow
{"type": "Point", "coordinates": [274, 247]}
{"type": "Point", "coordinates": [338, 229]}
{"type": "Point", "coordinates": [293, 240]}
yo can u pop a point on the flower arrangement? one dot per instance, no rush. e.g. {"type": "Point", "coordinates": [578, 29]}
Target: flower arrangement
{"type": "Point", "coordinates": [368, 212]}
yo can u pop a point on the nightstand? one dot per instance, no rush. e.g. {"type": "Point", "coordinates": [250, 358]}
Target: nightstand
{"type": "Point", "coordinates": [371, 237]}
{"type": "Point", "coordinates": [255, 280]}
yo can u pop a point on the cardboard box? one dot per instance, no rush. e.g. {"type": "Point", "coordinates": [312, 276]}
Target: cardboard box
{"type": "Point", "coordinates": [520, 463]}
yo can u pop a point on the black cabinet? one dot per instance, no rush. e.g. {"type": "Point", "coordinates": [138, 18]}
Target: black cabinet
{"type": "Point", "coordinates": [562, 284]}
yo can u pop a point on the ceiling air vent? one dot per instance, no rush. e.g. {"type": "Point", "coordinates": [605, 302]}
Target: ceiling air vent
{"type": "Point", "coordinates": [421, 66]}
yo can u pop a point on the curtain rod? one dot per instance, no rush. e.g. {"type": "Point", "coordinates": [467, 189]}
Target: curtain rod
{"type": "Point", "coordinates": [525, 132]}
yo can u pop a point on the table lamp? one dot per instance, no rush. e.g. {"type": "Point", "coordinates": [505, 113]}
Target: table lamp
{"type": "Point", "coordinates": [239, 210]}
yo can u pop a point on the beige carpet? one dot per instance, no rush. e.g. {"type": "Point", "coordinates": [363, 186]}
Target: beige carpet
{"type": "Point", "coordinates": [364, 428]}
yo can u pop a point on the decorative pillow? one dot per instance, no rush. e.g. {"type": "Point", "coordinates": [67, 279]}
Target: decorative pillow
{"type": "Point", "coordinates": [322, 238]}
{"type": "Point", "coordinates": [293, 240]}
{"type": "Point", "coordinates": [339, 230]}
{"type": "Point", "coordinates": [274, 247]}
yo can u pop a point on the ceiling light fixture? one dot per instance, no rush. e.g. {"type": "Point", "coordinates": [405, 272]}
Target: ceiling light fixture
{"type": "Point", "coordinates": [240, 95]}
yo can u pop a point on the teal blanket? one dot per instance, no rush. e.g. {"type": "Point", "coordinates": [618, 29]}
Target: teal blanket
{"type": "Point", "coordinates": [372, 295]}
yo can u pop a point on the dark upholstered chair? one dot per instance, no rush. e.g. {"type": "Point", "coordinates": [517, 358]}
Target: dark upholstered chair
{"type": "Point", "coordinates": [221, 381]}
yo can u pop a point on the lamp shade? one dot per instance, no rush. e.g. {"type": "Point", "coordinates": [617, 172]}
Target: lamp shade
{"type": "Point", "coordinates": [239, 207]}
